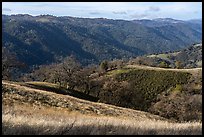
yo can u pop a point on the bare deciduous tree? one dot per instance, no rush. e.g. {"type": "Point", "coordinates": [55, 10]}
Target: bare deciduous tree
{"type": "Point", "coordinates": [10, 65]}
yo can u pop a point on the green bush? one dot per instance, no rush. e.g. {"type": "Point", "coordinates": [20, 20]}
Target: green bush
{"type": "Point", "coordinates": [163, 65]}
{"type": "Point", "coordinates": [104, 65]}
{"type": "Point", "coordinates": [178, 88]}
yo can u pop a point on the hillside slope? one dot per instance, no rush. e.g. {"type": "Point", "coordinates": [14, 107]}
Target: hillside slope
{"type": "Point", "coordinates": [91, 40]}
{"type": "Point", "coordinates": [33, 111]}
{"type": "Point", "coordinates": [13, 92]}
{"type": "Point", "coordinates": [151, 88]}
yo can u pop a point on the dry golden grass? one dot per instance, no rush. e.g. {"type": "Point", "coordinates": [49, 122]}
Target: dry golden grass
{"type": "Point", "coordinates": [193, 71]}
{"type": "Point", "coordinates": [43, 84]}
{"type": "Point", "coordinates": [32, 111]}
{"type": "Point", "coordinates": [35, 120]}
{"type": "Point", "coordinates": [23, 94]}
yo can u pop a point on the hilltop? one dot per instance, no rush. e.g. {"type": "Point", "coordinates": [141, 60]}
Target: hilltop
{"type": "Point", "coordinates": [190, 57]}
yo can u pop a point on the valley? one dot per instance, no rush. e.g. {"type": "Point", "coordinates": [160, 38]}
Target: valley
{"type": "Point", "coordinates": [93, 40]}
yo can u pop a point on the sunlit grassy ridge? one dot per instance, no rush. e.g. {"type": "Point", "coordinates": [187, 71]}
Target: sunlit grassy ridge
{"type": "Point", "coordinates": [57, 89]}
{"type": "Point", "coordinates": [22, 115]}
{"type": "Point", "coordinates": [17, 93]}
{"type": "Point", "coordinates": [47, 84]}
{"type": "Point", "coordinates": [117, 71]}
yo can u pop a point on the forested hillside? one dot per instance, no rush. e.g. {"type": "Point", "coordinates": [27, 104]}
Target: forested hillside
{"type": "Point", "coordinates": [38, 40]}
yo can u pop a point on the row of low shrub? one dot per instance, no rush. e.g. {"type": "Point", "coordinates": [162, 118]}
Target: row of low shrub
{"type": "Point", "coordinates": [147, 84]}
{"type": "Point", "coordinates": [159, 92]}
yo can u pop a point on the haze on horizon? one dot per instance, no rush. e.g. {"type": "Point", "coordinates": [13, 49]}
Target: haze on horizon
{"type": "Point", "coordinates": [110, 10]}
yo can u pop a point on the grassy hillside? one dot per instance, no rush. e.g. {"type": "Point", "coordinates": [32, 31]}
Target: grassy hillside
{"type": "Point", "coordinates": [58, 89]}
{"type": "Point", "coordinates": [22, 93]}
{"type": "Point", "coordinates": [27, 110]}
{"type": "Point", "coordinates": [35, 120]}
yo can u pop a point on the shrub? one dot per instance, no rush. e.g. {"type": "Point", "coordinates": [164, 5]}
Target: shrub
{"type": "Point", "coordinates": [177, 89]}
{"type": "Point", "coordinates": [104, 65]}
{"type": "Point", "coordinates": [163, 65]}
{"type": "Point", "coordinates": [178, 64]}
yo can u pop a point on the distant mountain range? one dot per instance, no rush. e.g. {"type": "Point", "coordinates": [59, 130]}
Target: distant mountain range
{"type": "Point", "coordinates": [44, 39]}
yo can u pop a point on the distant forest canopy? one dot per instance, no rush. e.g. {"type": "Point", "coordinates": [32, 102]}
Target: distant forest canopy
{"type": "Point", "coordinates": [45, 39]}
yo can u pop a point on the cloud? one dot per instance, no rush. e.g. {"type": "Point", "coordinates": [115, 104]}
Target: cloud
{"type": "Point", "coordinates": [6, 9]}
{"type": "Point", "coordinates": [94, 13]}
{"type": "Point", "coordinates": [148, 13]}
{"type": "Point", "coordinates": [114, 10]}
{"type": "Point", "coordinates": [119, 12]}
{"type": "Point", "coordinates": [154, 8]}
{"type": "Point", "coordinates": [40, 5]}
{"type": "Point", "coordinates": [138, 16]}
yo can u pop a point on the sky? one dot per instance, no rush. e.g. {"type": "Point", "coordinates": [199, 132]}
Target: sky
{"type": "Point", "coordinates": [110, 10]}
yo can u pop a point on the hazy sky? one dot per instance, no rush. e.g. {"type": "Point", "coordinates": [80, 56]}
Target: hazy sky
{"type": "Point", "coordinates": [111, 10]}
